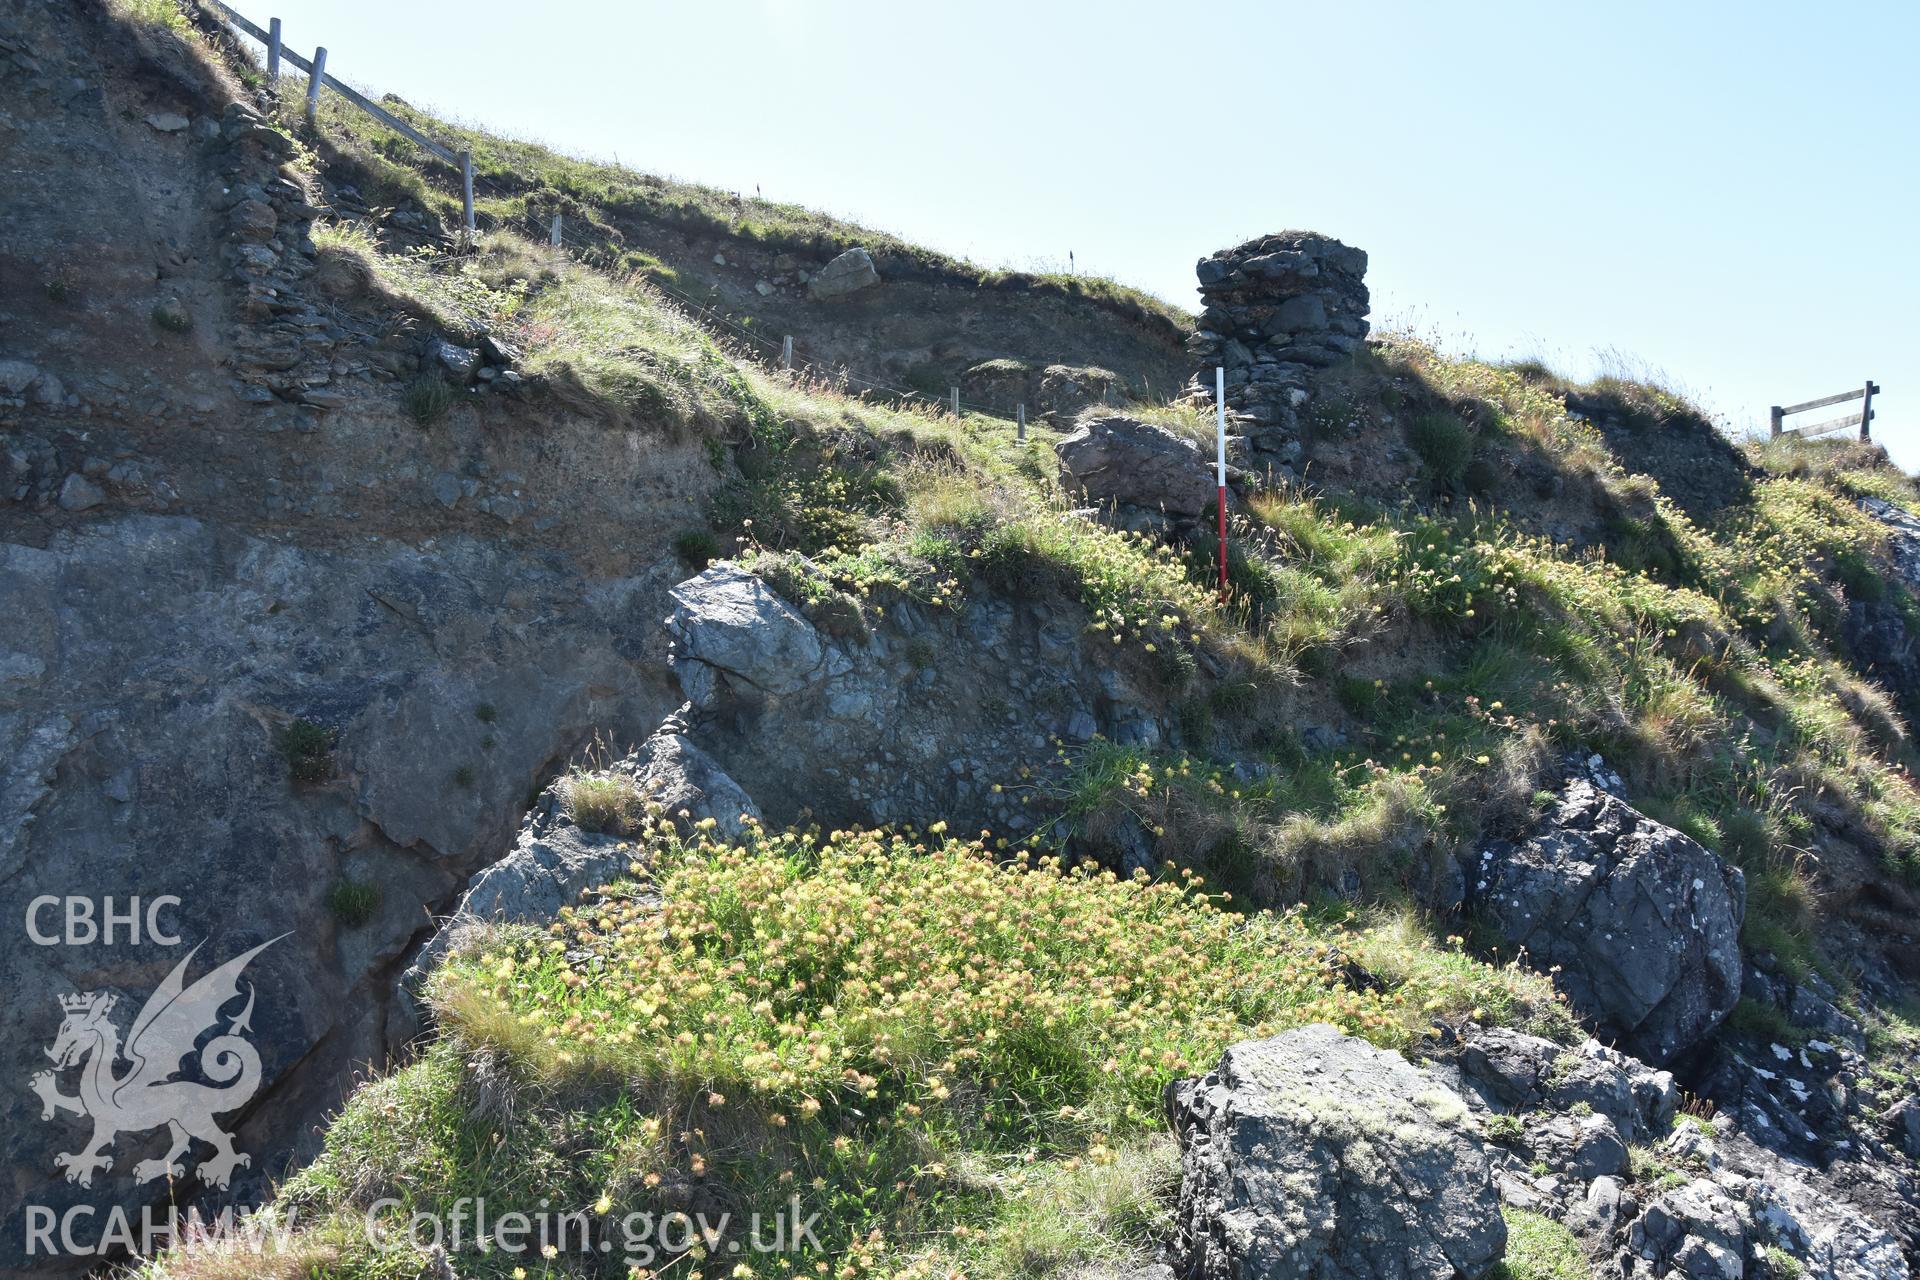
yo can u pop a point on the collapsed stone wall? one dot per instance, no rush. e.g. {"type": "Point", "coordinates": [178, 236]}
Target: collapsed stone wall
{"type": "Point", "coordinates": [1277, 312]}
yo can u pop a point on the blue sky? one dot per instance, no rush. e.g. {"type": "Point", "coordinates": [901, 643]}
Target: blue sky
{"type": "Point", "coordinates": [1723, 192]}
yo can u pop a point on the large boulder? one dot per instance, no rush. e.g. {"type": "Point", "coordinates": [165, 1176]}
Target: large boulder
{"type": "Point", "coordinates": [1115, 458]}
{"type": "Point", "coordinates": [1313, 1154]}
{"type": "Point", "coordinates": [1585, 1146]}
{"type": "Point", "coordinates": [16, 376]}
{"type": "Point", "coordinates": [1642, 923]}
{"type": "Point", "coordinates": [849, 273]}
{"type": "Point", "coordinates": [731, 632]}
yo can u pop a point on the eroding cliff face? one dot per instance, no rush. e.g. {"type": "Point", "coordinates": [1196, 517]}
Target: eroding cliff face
{"type": "Point", "coordinates": [276, 663]}
{"type": "Point", "coordinates": [155, 668]}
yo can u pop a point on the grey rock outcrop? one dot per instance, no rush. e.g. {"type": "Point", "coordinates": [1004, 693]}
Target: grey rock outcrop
{"type": "Point", "coordinates": [689, 783]}
{"type": "Point", "coordinates": [548, 867]}
{"type": "Point", "coordinates": [16, 376]}
{"type": "Point", "coordinates": [1879, 636]}
{"type": "Point", "coordinates": [1733, 1210]}
{"type": "Point", "coordinates": [1513, 1071]}
{"type": "Point", "coordinates": [1903, 1125]}
{"type": "Point", "coordinates": [1600, 1212]}
{"type": "Point", "coordinates": [1903, 544]}
{"type": "Point", "coordinates": [554, 859]}
{"type": "Point", "coordinates": [1642, 923]}
{"type": "Point", "coordinates": [1784, 1094]}
{"type": "Point", "coordinates": [1726, 1194]}
{"type": "Point", "coordinates": [1696, 1231]}
{"type": "Point", "coordinates": [1828, 1237]}
{"type": "Point", "coordinates": [1313, 1154]}
{"type": "Point", "coordinates": [1115, 458]}
{"type": "Point", "coordinates": [1793, 1080]}
{"type": "Point", "coordinates": [1582, 1146]}
{"type": "Point", "coordinates": [731, 630]}
{"type": "Point", "coordinates": [847, 274]}
{"type": "Point", "coordinates": [888, 708]}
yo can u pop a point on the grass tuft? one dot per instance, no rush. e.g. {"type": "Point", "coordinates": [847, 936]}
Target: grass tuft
{"type": "Point", "coordinates": [697, 548]}
{"type": "Point", "coordinates": [353, 902]}
{"type": "Point", "coordinates": [427, 398]}
{"type": "Point", "coordinates": [1538, 1248]}
{"type": "Point", "coordinates": [1444, 444]}
{"type": "Point", "coordinates": [601, 800]}
{"type": "Point", "coordinates": [307, 748]}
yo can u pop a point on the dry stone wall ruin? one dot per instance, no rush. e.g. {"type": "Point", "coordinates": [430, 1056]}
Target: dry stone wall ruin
{"type": "Point", "coordinates": [1277, 312]}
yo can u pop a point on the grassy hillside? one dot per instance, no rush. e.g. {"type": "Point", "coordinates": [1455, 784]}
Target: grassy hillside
{"type": "Point", "coordinates": [952, 1048]}
{"type": "Point", "coordinates": [622, 214]}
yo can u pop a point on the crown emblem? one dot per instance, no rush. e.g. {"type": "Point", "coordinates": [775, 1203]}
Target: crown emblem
{"type": "Point", "coordinates": [88, 1001]}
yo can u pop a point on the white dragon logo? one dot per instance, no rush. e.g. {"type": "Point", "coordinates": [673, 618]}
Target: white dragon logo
{"type": "Point", "coordinates": [146, 1095]}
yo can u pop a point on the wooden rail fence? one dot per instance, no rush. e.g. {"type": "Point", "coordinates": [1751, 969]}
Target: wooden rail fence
{"type": "Point", "coordinates": [1862, 419]}
{"type": "Point", "coordinates": [317, 76]}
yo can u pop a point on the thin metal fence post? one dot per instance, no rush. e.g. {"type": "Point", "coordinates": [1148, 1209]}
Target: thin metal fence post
{"type": "Point", "coordinates": [314, 80]}
{"type": "Point", "coordinates": [1220, 475]}
{"type": "Point", "coordinates": [466, 180]}
{"type": "Point", "coordinates": [553, 236]}
{"type": "Point", "coordinates": [273, 51]}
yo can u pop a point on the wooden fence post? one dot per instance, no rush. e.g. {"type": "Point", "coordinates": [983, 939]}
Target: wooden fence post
{"type": "Point", "coordinates": [314, 81]}
{"type": "Point", "coordinates": [1020, 423]}
{"type": "Point", "coordinates": [553, 234]}
{"type": "Point", "coordinates": [273, 51]}
{"type": "Point", "coordinates": [956, 402]}
{"type": "Point", "coordinates": [1777, 420]}
{"type": "Point", "coordinates": [466, 181]}
{"type": "Point", "coordinates": [786, 353]}
{"type": "Point", "coordinates": [1866, 410]}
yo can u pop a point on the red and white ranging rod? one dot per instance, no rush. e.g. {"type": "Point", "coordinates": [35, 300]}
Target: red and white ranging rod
{"type": "Point", "coordinates": [1220, 467]}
